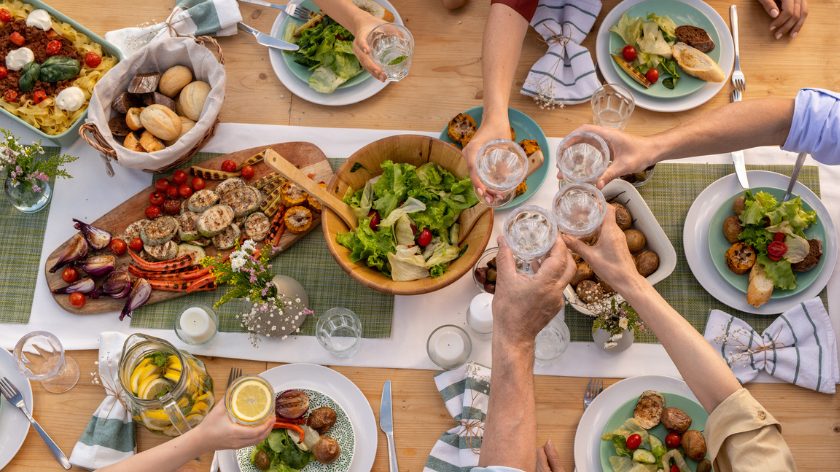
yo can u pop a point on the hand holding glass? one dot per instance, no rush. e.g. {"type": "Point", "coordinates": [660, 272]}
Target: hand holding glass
{"type": "Point", "coordinates": [530, 232]}
{"type": "Point", "coordinates": [582, 157]}
{"type": "Point", "coordinates": [502, 166]}
{"type": "Point", "coordinates": [579, 210]}
{"type": "Point", "coordinates": [392, 47]}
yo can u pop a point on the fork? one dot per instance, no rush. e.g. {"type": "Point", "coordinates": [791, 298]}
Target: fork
{"type": "Point", "coordinates": [13, 396]}
{"type": "Point", "coordinates": [235, 373]}
{"type": "Point", "coordinates": [738, 79]}
{"type": "Point", "coordinates": [593, 389]}
{"type": "Point", "coordinates": [295, 11]}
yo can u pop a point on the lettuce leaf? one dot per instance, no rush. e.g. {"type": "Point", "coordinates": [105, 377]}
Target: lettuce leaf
{"type": "Point", "coordinates": [369, 246]}
{"type": "Point", "coordinates": [757, 237]}
{"type": "Point", "coordinates": [327, 50]}
{"type": "Point", "coordinates": [665, 24]}
{"type": "Point", "coordinates": [652, 41]}
{"type": "Point", "coordinates": [361, 200]}
{"type": "Point", "coordinates": [791, 211]}
{"type": "Point", "coordinates": [629, 28]}
{"type": "Point", "coordinates": [412, 205]}
{"type": "Point", "coordinates": [657, 448]}
{"type": "Point", "coordinates": [407, 264]}
{"type": "Point", "coordinates": [756, 207]}
{"type": "Point", "coordinates": [403, 232]}
{"type": "Point", "coordinates": [798, 248]}
{"type": "Point", "coordinates": [780, 272]}
{"type": "Point", "coordinates": [443, 254]}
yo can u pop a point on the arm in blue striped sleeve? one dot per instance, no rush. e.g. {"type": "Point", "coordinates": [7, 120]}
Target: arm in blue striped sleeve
{"type": "Point", "coordinates": [816, 125]}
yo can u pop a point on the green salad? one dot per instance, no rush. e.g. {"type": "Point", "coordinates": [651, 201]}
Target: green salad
{"type": "Point", "coordinates": [650, 456]}
{"type": "Point", "coordinates": [279, 452]}
{"type": "Point", "coordinates": [653, 38]}
{"type": "Point", "coordinates": [326, 48]}
{"type": "Point", "coordinates": [408, 220]}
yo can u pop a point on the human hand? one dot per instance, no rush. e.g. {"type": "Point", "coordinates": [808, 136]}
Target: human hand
{"type": "Point", "coordinates": [218, 432]}
{"type": "Point", "coordinates": [547, 459]}
{"type": "Point", "coordinates": [630, 154]}
{"type": "Point", "coordinates": [361, 48]}
{"type": "Point", "coordinates": [788, 19]}
{"type": "Point", "coordinates": [491, 128]}
{"type": "Point", "coordinates": [609, 257]}
{"type": "Point", "coordinates": [525, 304]}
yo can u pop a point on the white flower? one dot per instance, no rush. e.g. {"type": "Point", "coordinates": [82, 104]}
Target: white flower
{"type": "Point", "coordinates": [610, 345]}
{"type": "Point", "coordinates": [249, 245]}
{"type": "Point", "coordinates": [622, 323]}
{"type": "Point", "coordinates": [616, 337]}
{"type": "Point", "coordinates": [237, 261]}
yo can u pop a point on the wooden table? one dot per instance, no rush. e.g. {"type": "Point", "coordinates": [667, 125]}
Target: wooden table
{"type": "Point", "coordinates": [445, 79]}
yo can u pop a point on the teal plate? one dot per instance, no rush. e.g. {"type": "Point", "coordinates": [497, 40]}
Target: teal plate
{"type": "Point", "coordinates": [682, 14]}
{"type": "Point", "coordinates": [525, 128]}
{"type": "Point", "coordinates": [298, 70]}
{"type": "Point", "coordinates": [691, 408]}
{"type": "Point", "coordinates": [718, 246]}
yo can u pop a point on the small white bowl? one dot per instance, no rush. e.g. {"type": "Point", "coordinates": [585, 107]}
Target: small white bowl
{"type": "Point", "coordinates": [643, 219]}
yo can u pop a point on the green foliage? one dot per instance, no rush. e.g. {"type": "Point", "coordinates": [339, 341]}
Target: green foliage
{"type": "Point", "coordinates": [246, 272]}
{"type": "Point", "coordinates": [29, 165]}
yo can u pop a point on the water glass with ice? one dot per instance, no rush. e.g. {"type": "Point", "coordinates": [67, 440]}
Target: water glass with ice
{"type": "Point", "coordinates": [530, 232]}
{"type": "Point", "coordinates": [612, 106]}
{"type": "Point", "coordinates": [40, 357]}
{"type": "Point", "coordinates": [502, 165]}
{"type": "Point", "coordinates": [392, 47]}
{"type": "Point", "coordinates": [582, 157]}
{"type": "Point", "coordinates": [339, 331]}
{"type": "Point", "coordinates": [579, 210]}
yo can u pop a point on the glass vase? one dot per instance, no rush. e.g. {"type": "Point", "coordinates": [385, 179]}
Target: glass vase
{"type": "Point", "coordinates": [25, 199]}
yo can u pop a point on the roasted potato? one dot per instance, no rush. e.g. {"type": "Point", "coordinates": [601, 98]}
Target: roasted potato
{"type": "Point", "coordinates": [738, 205]}
{"type": "Point", "coordinates": [647, 262]}
{"type": "Point", "coordinates": [321, 419]}
{"type": "Point", "coordinates": [462, 128]}
{"type": "Point", "coordinates": [521, 188]}
{"type": "Point", "coordinates": [676, 420]}
{"type": "Point", "coordinates": [636, 240]}
{"type": "Point", "coordinates": [605, 288]}
{"type": "Point", "coordinates": [623, 218]}
{"type": "Point", "coordinates": [694, 444]}
{"type": "Point", "coordinates": [326, 450]}
{"type": "Point", "coordinates": [732, 229]}
{"type": "Point", "coordinates": [589, 291]}
{"type": "Point", "coordinates": [740, 258]}
{"type": "Point", "coordinates": [530, 146]}
{"type": "Point", "coordinates": [583, 272]}
{"type": "Point", "coordinates": [648, 409]}
{"type": "Point", "coordinates": [261, 460]}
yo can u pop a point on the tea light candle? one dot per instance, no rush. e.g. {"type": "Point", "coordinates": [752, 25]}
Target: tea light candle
{"type": "Point", "coordinates": [449, 346]}
{"type": "Point", "coordinates": [480, 313]}
{"type": "Point", "coordinates": [196, 325]}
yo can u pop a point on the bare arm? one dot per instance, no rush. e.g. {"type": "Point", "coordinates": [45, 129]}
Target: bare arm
{"type": "Point", "coordinates": [358, 22]}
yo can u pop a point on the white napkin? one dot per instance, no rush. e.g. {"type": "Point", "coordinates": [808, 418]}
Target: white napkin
{"type": "Point", "coordinates": [109, 436]}
{"type": "Point", "coordinates": [188, 18]}
{"type": "Point", "coordinates": [566, 74]}
{"type": "Point", "coordinates": [800, 347]}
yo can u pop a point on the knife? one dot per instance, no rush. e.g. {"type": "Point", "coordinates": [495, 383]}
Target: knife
{"type": "Point", "coordinates": [738, 156]}
{"type": "Point", "coordinates": [263, 3]}
{"type": "Point", "coordinates": [386, 423]}
{"type": "Point", "coordinates": [267, 40]}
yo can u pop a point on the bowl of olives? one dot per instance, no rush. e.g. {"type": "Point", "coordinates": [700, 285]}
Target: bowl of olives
{"type": "Point", "coordinates": [484, 272]}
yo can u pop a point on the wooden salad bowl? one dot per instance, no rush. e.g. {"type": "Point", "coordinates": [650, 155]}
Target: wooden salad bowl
{"type": "Point", "coordinates": [363, 165]}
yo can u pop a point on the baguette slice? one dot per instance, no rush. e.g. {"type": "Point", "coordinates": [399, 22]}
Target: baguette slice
{"type": "Point", "coordinates": [375, 9]}
{"type": "Point", "coordinates": [760, 287]}
{"type": "Point", "coordinates": [698, 64]}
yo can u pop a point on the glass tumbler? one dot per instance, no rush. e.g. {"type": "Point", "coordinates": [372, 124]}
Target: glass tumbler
{"type": "Point", "coordinates": [339, 331]}
{"type": "Point", "coordinates": [579, 210]}
{"type": "Point", "coordinates": [553, 340]}
{"type": "Point", "coordinates": [530, 231]}
{"type": "Point", "coordinates": [582, 157]}
{"type": "Point", "coordinates": [612, 106]}
{"type": "Point", "coordinates": [392, 47]}
{"type": "Point", "coordinates": [40, 356]}
{"type": "Point", "coordinates": [501, 166]}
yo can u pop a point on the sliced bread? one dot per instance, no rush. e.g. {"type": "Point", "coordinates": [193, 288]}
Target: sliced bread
{"type": "Point", "coordinates": [695, 37]}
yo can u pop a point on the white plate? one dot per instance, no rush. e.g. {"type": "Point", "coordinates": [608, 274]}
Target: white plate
{"type": "Point", "coordinates": [13, 425]}
{"type": "Point", "coordinates": [694, 100]}
{"type": "Point", "coordinates": [696, 241]}
{"type": "Point", "coordinates": [342, 96]}
{"type": "Point", "coordinates": [595, 418]}
{"type": "Point", "coordinates": [342, 391]}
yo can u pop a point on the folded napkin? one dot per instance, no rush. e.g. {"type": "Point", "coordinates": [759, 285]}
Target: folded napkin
{"type": "Point", "coordinates": [189, 18]}
{"type": "Point", "coordinates": [109, 436]}
{"type": "Point", "coordinates": [799, 347]}
{"type": "Point", "coordinates": [465, 391]}
{"type": "Point", "coordinates": [566, 74]}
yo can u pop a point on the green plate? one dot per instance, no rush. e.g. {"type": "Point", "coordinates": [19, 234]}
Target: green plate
{"type": "Point", "coordinates": [691, 408]}
{"type": "Point", "coordinates": [682, 14]}
{"type": "Point", "coordinates": [525, 128]}
{"type": "Point", "coordinates": [300, 71]}
{"type": "Point", "coordinates": [718, 246]}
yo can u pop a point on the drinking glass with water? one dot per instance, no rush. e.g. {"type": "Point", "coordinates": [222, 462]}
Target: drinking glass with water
{"type": "Point", "coordinates": [579, 210]}
{"type": "Point", "coordinates": [392, 47]}
{"type": "Point", "coordinates": [582, 157]}
{"type": "Point", "coordinates": [530, 232]}
{"type": "Point", "coordinates": [502, 165]}
{"type": "Point", "coordinates": [612, 106]}
{"type": "Point", "coordinates": [339, 331]}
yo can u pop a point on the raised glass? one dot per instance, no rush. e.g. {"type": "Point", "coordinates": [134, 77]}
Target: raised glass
{"type": "Point", "coordinates": [530, 232]}
{"type": "Point", "coordinates": [582, 157]}
{"type": "Point", "coordinates": [249, 400]}
{"type": "Point", "coordinates": [579, 210]}
{"type": "Point", "coordinates": [502, 165]}
{"type": "Point", "coordinates": [392, 47]}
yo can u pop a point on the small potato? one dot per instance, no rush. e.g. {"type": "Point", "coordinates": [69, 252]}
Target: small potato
{"type": "Point", "coordinates": [676, 420]}
{"type": "Point", "coordinates": [732, 229]}
{"type": "Point", "coordinates": [636, 240]}
{"type": "Point", "coordinates": [583, 272]}
{"type": "Point", "coordinates": [738, 205]}
{"type": "Point", "coordinates": [321, 419]}
{"type": "Point", "coordinates": [740, 258]}
{"type": "Point", "coordinates": [647, 262]}
{"type": "Point", "coordinates": [589, 291]}
{"type": "Point", "coordinates": [623, 218]}
{"type": "Point", "coordinates": [605, 288]}
{"type": "Point", "coordinates": [694, 445]}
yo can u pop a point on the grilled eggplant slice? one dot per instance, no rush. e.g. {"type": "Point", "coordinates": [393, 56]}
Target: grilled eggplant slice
{"type": "Point", "coordinates": [244, 200]}
{"type": "Point", "coordinates": [257, 226]}
{"type": "Point", "coordinates": [187, 226]}
{"type": "Point", "coordinates": [631, 71]}
{"type": "Point", "coordinates": [227, 238]}
{"type": "Point", "coordinates": [159, 231]}
{"type": "Point", "coordinates": [215, 220]}
{"type": "Point", "coordinates": [162, 252]}
{"type": "Point", "coordinates": [202, 200]}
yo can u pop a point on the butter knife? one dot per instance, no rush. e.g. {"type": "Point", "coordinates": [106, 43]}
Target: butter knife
{"type": "Point", "coordinates": [263, 3]}
{"type": "Point", "coordinates": [268, 40]}
{"type": "Point", "coordinates": [386, 423]}
{"type": "Point", "coordinates": [738, 156]}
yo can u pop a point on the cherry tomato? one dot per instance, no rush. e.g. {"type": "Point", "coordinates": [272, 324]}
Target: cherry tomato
{"type": "Point", "coordinates": [185, 191]}
{"type": "Point", "coordinates": [39, 96]}
{"type": "Point", "coordinates": [629, 53]}
{"type": "Point", "coordinates": [77, 299]}
{"type": "Point", "coordinates": [3, 72]}
{"type": "Point", "coordinates": [136, 245]}
{"type": "Point", "coordinates": [118, 246]}
{"type": "Point", "coordinates": [424, 238]}
{"type": "Point", "coordinates": [674, 468]}
{"type": "Point", "coordinates": [652, 75]}
{"type": "Point", "coordinates": [374, 219]}
{"type": "Point", "coordinates": [229, 166]}
{"type": "Point", "coordinates": [179, 177]}
{"type": "Point", "coordinates": [672, 440]}
{"type": "Point", "coordinates": [161, 185]}
{"type": "Point", "coordinates": [633, 442]}
{"type": "Point", "coordinates": [53, 47]}
{"type": "Point", "coordinates": [779, 237]}
{"type": "Point", "coordinates": [776, 250]}
{"type": "Point", "coordinates": [156, 198]}
{"type": "Point", "coordinates": [5, 16]}
{"type": "Point", "coordinates": [10, 95]}
{"type": "Point", "coordinates": [92, 59]}
{"type": "Point", "coordinates": [247, 172]}
{"type": "Point", "coordinates": [17, 39]}
{"type": "Point", "coordinates": [172, 207]}
{"type": "Point", "coordinates": [152, 212]}
{"type": "Point", "coordinates": [172, 191]}
{"type": "Point", "coordinates": [70, 274]}
{"type": "Point", "coordinates": [198, 183]}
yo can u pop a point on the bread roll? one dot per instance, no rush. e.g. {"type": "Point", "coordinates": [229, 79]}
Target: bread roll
{"type": "Point", "coordinates": [696, 63]}
{"type": "Point", "coordinates": [760, 287]}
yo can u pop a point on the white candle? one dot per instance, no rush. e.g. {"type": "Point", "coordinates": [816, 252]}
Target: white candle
{"type": "Point", "coordinates": [480, 314]}
{"type": "Point", "coordinates": [449, 346]}
{"type": "Point", "coordinates": [197, 326]}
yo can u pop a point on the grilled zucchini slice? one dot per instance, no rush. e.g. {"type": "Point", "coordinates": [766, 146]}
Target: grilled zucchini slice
{"type": "Point", "coordinates": [187, 226]}
{"type": "Point", "coordinates": [244, 200]}
{"type": "Point", "coordinates": [228, 185]}
{"type": "Point", "coordinates": [162, 252]}
{"type": "Point", "coordinates": [257, 226]}
{"type": "Point", "coordinates": [202, 200]}
{"type": "Point", "coordinates": [227, 238]}
{"type": "Point", "coordinates": [159, 231]}
{"type": "Point", "coordinates": [214, 220]}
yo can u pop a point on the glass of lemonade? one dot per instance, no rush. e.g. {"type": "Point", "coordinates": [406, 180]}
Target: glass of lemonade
{"type": "Point", "coordinates": [392, 47]}
{"type": "Point", "coordinates": [579, 210]}
{"type": "Point", "coordinates": [249, 400]}
{"type": "Point", "coordinates": [582, 157]}
{"type": "Point", "coordinates": [502, 166]}
{"type": "Point", "coordinates": [530, 232]}
{"type": "Point", "coordinates": [612, 106]}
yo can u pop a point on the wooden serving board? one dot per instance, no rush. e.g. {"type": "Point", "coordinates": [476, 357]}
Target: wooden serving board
{"type": "Point", "coordinates": [306, 156]}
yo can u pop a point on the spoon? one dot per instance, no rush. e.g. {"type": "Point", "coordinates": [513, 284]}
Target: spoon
{"type": "Point", "coordinates": [800, 160]}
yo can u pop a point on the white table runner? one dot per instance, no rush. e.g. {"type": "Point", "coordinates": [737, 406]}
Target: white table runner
{"type": "Point", "coordinates": [91, 193]}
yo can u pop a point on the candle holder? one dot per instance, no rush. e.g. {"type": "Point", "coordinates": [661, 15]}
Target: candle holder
{"type": "Point", "coordinates": [197, 324]}
{"type": "Point", "coordinates": [449, 346]}
{"type": "Point", "coordinates": [480, 314]}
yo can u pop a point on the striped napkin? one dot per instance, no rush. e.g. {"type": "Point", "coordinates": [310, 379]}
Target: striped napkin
{"type": "Point", "coordinates": [465, 391]}
{"type": "Point", "coordinates": [800, 347]}
{"type": "Point", "coordinates": [188, 18]}
{"type": "Point", "coordinates": [109, 436]}
{"type": "Point", "coordinates": [566, 74]}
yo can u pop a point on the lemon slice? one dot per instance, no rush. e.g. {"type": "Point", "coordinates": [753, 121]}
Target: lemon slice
{"type": "Point", "coordinates": [155, 420]}
{"type": "Point", "coordinates": [251, 401]}
{"type": "Point", "coordinates": [141, 373]}
{"type": "Point", "coordinates": [155, 388]}
{"type": "Point", "coordinates": [173, 375]}
{"type": "Point", "coordinates": [199, 408]}
{"type": "Point", "coordinates": [173, 363]}
{"type": "Point", "coordinates": [145, 382]}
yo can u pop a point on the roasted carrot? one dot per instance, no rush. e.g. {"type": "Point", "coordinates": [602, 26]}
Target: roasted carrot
{"type": "Point", "coordinates": [191, 273]}
{"type": "Point", "coordinates": [168, 285]}
{"type": "Point", "coordinates": [163, 266]}
{"type": "Point", "coordinates": [200, 282]}
{"type": "Point", "coordinates": [293, 427]}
